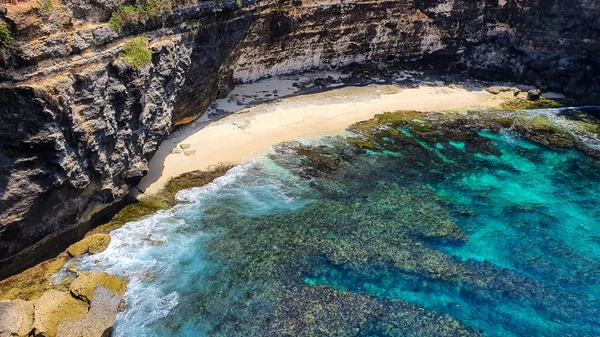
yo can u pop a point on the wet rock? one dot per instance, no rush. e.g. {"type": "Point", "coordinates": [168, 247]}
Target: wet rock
{"type": "Point", "coordinates": [91, 244]}
{"type": "Point", "coordinates": [84, 285]}
{"type": "Point", "coordinates": [55, 307]}
{"type": "Point", "coordinates": [99, 320]}
{"type": "Point", "coordinates": [16, 318]}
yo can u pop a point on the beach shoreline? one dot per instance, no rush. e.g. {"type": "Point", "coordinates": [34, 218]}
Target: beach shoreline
{"type": "Point", "coordinates": [251, 131]}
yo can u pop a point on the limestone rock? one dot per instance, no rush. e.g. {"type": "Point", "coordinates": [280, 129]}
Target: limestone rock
{"type": "Point", "coordinates": [99, 320]}
{"type": "Point", "coordinates": [55, 307]}
{"type": "Point", "coordinates": [16, 318]}
{"type": "Point", "coordinates": [84, 285]}
{"type": "Point", "coordinates": [91, 244]}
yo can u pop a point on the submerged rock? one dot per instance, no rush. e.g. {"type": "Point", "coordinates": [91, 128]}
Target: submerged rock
{"type": "Point", "coordinates": [16, 318]}
{"type": "Point", "coordinates": [322, 311]}
{"type": "Point", "coordinates": [85, 284]}
{"type": "Point", "coordinates": [91, 244]}
{"type": "Point", "coordinates": [99, 320]}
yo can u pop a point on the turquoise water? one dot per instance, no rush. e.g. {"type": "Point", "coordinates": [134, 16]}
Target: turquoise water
{"type": "Point", "coordinates": [489, 234]}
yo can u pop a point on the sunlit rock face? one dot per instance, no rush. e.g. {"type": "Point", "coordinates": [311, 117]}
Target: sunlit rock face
{"type": "Point", "coordinates": [78, 126]}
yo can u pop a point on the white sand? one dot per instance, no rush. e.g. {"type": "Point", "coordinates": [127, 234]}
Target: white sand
{"type": "Point", "coordinates": [251, 131]}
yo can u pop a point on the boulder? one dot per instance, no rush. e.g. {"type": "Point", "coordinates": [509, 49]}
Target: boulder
{"type": "Point", "coordinates": [54, 307]}
{"type": "Point", "coordinates": [99, 320]}
{"type": "Point", "coordinates": [91, 244]}
{"type": "Point", "coordinates": [534, 94]}
{"type": "Point", "coordinates": [16, 318]}
{"type": "Point", "coordinates": [85, 284]}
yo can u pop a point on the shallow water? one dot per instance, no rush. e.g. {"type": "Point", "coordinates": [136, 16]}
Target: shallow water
{"type": "Point", "coordinates": [491, 235]}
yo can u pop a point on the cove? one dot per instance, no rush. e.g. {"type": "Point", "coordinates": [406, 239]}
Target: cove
{"type": "Point", "coordinates": [441, 225]}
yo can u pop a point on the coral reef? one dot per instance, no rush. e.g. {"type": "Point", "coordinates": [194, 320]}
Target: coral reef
{"type": "Point", "coordinates": [373, 235]}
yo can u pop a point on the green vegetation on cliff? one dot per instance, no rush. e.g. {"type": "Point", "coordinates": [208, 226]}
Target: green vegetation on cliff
{"type": "Point", "coordinates": [141, 12]}
{"type": "Point", "coordinates": [136, 53]}
{"type": "Point", "coordinates": [44, 6]}
{"type": "Point", "coordinates": [6, 38]}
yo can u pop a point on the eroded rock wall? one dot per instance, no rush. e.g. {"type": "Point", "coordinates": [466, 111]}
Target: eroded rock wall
{"type": "Point", "coordinates": [78, 125]}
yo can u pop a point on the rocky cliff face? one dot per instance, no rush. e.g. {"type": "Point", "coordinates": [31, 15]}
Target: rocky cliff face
{"type": "Point", "coordinates": [78, 125]}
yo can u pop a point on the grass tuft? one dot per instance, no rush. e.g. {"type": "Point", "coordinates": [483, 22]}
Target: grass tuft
{"type": "Point", "coordinates": [141, 12]}
{"type": "Point", "coordinates": [136, 53]}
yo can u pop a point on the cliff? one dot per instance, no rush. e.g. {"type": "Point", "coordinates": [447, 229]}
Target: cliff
{"type": "Point", "coordinates": [79, 120]}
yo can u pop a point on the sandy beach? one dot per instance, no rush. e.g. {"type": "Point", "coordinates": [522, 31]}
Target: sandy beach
{"type": "Point", "coordinates": [251, 131]}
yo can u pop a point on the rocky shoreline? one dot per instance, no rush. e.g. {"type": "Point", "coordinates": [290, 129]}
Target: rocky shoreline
{"type": "Point", "coordinates": [79, 124]}
{"type": "Point", "coordinates": [62, 313]}
{"type": "Point", "coordinates": [87, 303]}
{"type": "Point", "coordinates": [81, 303]}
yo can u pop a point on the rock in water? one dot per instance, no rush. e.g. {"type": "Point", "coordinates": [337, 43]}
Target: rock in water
{"type": "Point", "coordinates": [55, 307]}
{"type": "Point", "coordinates": [99, 320]}
{"type": "Point", "coordinates": [16, 318]}
{"type": "Point", "coordinates": [83, 287]}
{"type": "Point", "coordinates": [91, 244]}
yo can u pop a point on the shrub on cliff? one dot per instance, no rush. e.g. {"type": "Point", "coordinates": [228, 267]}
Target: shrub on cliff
{"type": "Point", "coordinates": [44, 6]}
{"type": "Point", "coordinates": [5, 36]}
{"type": "Point", "coordinates": [136, 53]}
{"type": "Point", "coordinates": [143, 11]}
